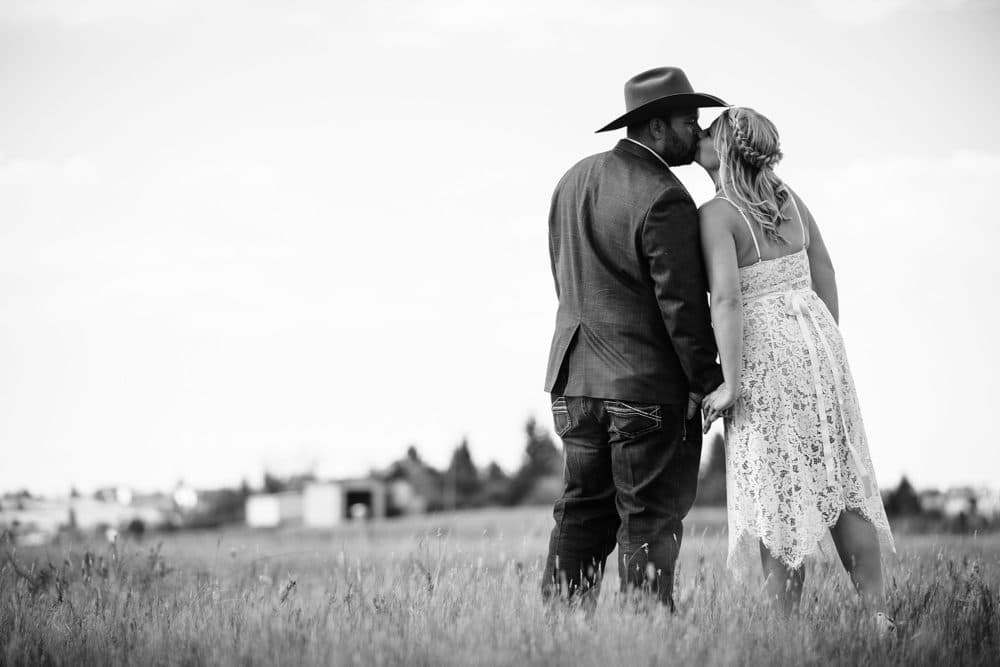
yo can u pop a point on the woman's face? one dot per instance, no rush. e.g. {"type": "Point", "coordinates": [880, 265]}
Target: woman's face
{"type": "Point", "coordinates": [706, 156]}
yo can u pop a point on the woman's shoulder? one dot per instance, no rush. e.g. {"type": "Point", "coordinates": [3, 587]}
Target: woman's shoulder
{"type": "Point", "coordinates": [794, 197]}
{"type": "Point", "coordinates": [718, 212]}
{"type": "Point", "coordinates": [717, 205]}
{"type": "Point", "coordinates": [796, 204]}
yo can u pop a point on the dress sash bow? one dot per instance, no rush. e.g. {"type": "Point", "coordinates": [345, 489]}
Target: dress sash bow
{"type": "Point", "coordinates": [800, 307]}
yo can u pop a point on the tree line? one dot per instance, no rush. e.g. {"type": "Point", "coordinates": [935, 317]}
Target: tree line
{"type": "Point", "coordinates": [463, 484]}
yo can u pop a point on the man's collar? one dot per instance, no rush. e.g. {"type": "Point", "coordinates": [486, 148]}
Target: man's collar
{"type": "Point", "coordinates": [627, 143]}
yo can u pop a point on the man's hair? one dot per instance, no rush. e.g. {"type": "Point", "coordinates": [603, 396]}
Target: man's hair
{"type": "Point", "coordinates": [638, 131]}
{"type": "Point", "coordinates": [641, 130]}
{"type": "Point", "coordinates": [748, 148]}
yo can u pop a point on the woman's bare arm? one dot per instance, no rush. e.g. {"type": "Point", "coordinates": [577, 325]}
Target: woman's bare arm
{"type": "Point", "coordinates": [824, 278]}
{"type": "Point", "coordinates": [719, 250]}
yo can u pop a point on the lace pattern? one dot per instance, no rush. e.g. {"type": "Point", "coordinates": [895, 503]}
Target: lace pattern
{"type": "Point", "coordinates": [796, 450]}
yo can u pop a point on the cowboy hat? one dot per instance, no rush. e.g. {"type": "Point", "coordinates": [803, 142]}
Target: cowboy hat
{"type": "Point", "coordinates": [659, 90]}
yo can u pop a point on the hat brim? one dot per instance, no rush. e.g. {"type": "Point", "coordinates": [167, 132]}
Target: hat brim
{"type": "Point", "coordinates": [658, 106]}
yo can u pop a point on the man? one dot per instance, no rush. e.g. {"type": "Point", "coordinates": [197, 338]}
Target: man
{"type": "Point", "coordinates": [633, 350]}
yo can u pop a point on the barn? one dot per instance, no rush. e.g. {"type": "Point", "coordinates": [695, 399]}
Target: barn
{"type": "Point", "coordinates": [327, 504]}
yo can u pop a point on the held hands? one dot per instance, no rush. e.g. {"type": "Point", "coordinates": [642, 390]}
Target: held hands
{"type": "Point", "coordinates": [716, 403]}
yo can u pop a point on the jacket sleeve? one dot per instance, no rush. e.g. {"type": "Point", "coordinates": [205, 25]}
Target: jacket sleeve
{"type": "Point", "coordinates": [553, 214]}
{"type": "Point", "coordinates": [670, 241]}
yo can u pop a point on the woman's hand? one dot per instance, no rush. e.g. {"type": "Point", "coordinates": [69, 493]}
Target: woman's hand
{"type": "Point", "coordinates": [716, 403]}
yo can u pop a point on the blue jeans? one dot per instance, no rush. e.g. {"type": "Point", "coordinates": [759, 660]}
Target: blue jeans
{"type": "Point", "coordinates": [630, 478]}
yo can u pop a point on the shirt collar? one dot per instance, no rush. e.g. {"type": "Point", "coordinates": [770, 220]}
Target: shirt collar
{"type": "Point", "coordinates": [652, 152]}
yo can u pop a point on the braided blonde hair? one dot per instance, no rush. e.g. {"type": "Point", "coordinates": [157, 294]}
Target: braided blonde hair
{"type": "Point", "coordinates": [748, 148]}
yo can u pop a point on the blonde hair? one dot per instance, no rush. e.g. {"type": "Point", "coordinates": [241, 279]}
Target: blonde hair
{"type": "Point", "coordinates": [748, 148]}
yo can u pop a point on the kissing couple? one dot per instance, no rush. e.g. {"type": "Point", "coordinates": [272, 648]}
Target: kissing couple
{"type": "Point", "coordinates": [633, 374]}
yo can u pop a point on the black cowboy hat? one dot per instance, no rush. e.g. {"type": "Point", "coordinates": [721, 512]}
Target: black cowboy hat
{"type": "Point", "coordinates": [664, 89]}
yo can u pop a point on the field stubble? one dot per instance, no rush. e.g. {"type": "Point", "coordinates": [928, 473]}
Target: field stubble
{"type": "Point", "coordinates": [463, 589]}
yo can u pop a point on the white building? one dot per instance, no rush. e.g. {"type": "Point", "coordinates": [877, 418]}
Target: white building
{"type": "Point", "coordinates": [988, 503]}
{"type": "Point", "coordinates": [328, 504]}
{"type": "Point", "coordinates": [31, 515]}
{"type": "Point", "coordinates": [932, 500]}
{"type": "Point", "coordinates": [323, 505]}
{"type": "Point", "coordinates": [268, 510]}
{"type": "Point", "coordinates": [44, 518]}
{"type": "Point", "coordinates": [982, 502]}
{"type": "Point", "coordinates": [958, 501]}
{"type": "Point", "coordinates": [320, 505]}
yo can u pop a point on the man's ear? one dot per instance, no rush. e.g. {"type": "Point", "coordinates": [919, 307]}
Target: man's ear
{"type": "Point", "coordinates": [657, 128]}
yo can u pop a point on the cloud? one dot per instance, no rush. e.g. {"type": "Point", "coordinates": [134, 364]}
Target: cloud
{"type": "Point", "coordinates": [960, 179]}
{"type": "Point", "coordinates": [70, 171]}
{"type": "Point", "coordinates": [426, 22]}
{"type": "Point", "coordinates": [860, 12]}
{"type": "Point", "coordinates": [239, 173]}
{"type": "Point", "coordinates": [85, 13]}
{"type": "Point", "coordinates": [913, 238]}
{"type": "Point", "coordinates": [78, 171]}
{"type": "Point", "coordinates": [906, 205]}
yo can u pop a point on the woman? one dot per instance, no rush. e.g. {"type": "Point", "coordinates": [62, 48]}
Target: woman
{"type": "Point", "coordinates": [796, 453]}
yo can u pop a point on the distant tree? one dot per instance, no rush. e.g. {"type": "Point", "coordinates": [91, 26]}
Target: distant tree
{"type": "Point", "coordinates": [903, 500]}
{"type": "Point", "coordinates": [274, 484]}
{"type": "Point", "coordinates": [543, 456]}
{"type": "Point", "coordinates": [462, 478]}
{"type": "Point", "coordinates": [427, 482]}
{"type": "Point", "coordinates": [542, 459]}
{"type": "Point", "coordinates": [496, 485]}
{"type": "Point", "coordinates": [299, 481]}
{"type": "Point", "coordinates": [136, 528]}
{"type": "Point", "coordinates": [494, 473]}
{"type": "Point", "coordinates": [217, 508]}
{"type": "Point", "coordinates": [712, 485]}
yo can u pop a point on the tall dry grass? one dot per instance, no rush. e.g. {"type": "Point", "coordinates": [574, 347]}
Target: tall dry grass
{"type": "Point", "coordinates": [463, 589]}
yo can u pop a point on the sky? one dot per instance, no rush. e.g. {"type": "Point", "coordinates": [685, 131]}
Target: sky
{"type": "Point", "coordinates": [238, 236]}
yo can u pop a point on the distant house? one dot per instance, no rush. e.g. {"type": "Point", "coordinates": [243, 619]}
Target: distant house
{"type": "Point", "coordinates": [959, 501]}
{"type": "Point", "coordinates": [92, 513]}
{"type": "Point", "coordinates": [988, 503]}
{"type": "Point", "coordinates": [962, 501]}
{"type": "Point", "coordinates": [328, 504]}
{"type": "Point", "coordinates": [32, 519]}
{"type": "Point", "coordinates": [414, 487]}
{"type": "Point", "coordinates": [405, 499]}
{"type": "Point", "coordinates": [269, 510]}
{"type": "Point", "coordinates": [932, 501]}
{"type": "Point", "coordinates": [323, 504]}
{"type": "Point", "coordinates": [37, 519]}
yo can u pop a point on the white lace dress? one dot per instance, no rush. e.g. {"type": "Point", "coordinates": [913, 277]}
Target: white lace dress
{"type": "Point", "coordinates": [796, 451]}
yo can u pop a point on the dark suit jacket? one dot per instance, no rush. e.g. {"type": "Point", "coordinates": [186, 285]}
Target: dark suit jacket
{"type": "Point", "coordinates": [633, 322]}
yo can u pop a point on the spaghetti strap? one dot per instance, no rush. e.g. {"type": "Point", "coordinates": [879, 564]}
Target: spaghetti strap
{"type": "Point", "coordinates": [791, 195]}
{"type": "Point", "coordinates": [749, 226]}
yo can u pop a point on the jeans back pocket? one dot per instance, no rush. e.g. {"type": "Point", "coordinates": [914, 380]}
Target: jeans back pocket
{"type": "Point", "coordinates": [631, 420]}
{"type": "Point", "coordinates": [561, 419]}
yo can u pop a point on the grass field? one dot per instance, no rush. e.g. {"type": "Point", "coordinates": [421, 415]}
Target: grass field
{"type": "Point", "coordinates": [463, 589]}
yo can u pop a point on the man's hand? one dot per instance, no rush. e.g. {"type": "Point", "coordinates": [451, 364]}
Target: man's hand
{"type": "Point", "coordinates": [694, 405]}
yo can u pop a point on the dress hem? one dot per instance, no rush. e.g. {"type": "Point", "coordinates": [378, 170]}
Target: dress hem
{"type": "Point", "coordinates": [884, 535]}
